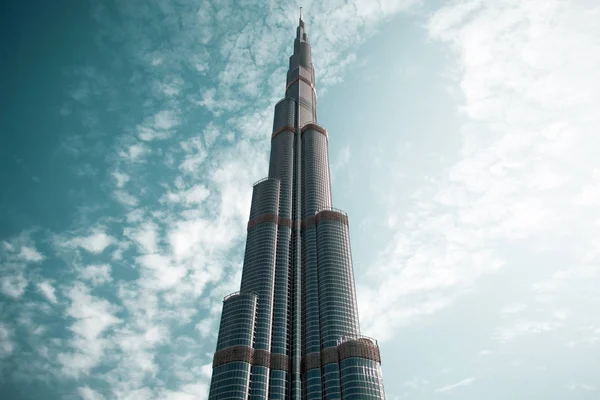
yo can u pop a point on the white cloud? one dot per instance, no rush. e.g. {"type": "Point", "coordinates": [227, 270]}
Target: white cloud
{"type": "Point", "coordinates": [6, 344]}
{"type": "Point", "coordinates": [93, 318]}
{"type": "Point", "coordinates": [148, 327]}
{"type": "Point", "coordinates": [156, 61]}
{"type": "Point", "coordinates": [30, 254]}
{"type": "Point", "coordinates": [159, 126]}
{"type": "Point", "coordinates": [188, 236]}
{"type": "Point", "coordinates": [210, 134]}
{"type": "Point", "coordinates": [159, 273]}
{"type": "Point", "coordinates": [253, 125]}
{"type": "Point", "coordinates": [205, 327]}
{"type": "Point", "coordinates": [87, 393]}
{"type": "Point", "coordinates": [96, 274]}
{"type": "Point", "coordinates": [121, 178]}
{"type": "Point", "coordinates": [132, 393]}
{"type": "Point", "coordinates": [217, 102]}
{"type": "Point", "coordinates": [117, 254]}
{"type": "Point", "coordinates": [135, 215]}
{"type": "Point", "coordinates": [193, 391]}
{"type": "Point", "coordinates": [166, 119]}
{"type": "Point", "coordinates": [13, 285]}
{"type": "Point", "coordinates": [523, 327]}
{"type": "Point", "coordinates": [450, 388]}
{"type": "Point", "coordinates": [94, 243]}
{"type": "Point", "coordinates": [194, 195]}
{"type": "Point", "coordinates": [170, 87]}
{"type": "Point", "coordinates": [200, 64]}
{"type": "Point", "coordinates": [206, 370]}
{"type": "Point", "coordinates": [137, 346]}
{"type": "Point", "coordinates": [421, 278]}
{"type": "Point", "coordinates": [125, 198]}
{"type": "Point", "coordinates": [145, 236]}
{"type": "Point", "coordinates": [195, 156]}
{"type": "Point", "coordinates": [563, 277]}
{"type": "Point", "coordinates": [47, 290]}
{"type": "Point", "coordinates": [134, 152]}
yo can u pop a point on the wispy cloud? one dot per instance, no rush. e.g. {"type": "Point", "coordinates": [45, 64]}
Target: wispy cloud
{"type": "Point", "coordinates": [192, 391]}
{"type": "Point", "coordinates": [121, 178]}
{"type": "Point", "coordinates": [95, 243]}
{"type": "Point", "coordinates": [195, 155]}
{"type": "Point", "coordinates": [89, 394]}
{"type": "Point", "coordinates": [170, 86]}
{"type": "Point", "coordinates": [206, 327]}
{"type": "Point", "coordinates": [522, 327]}
{"type": "Point", "coordinates": [159, 126]}
{"type": "Point", "coordinates": [47, 290]}
{"type": "Point", "coordinates": [341, 161]}
{"type": "Point", "coordinates": [92, 317]}
{"type": "Point", "coordinates": [450, 388]}
{"type": "Point", "coordinates": [581, 386]}
{"type": "Point", "coordinates": [30, 254]}
{"type": "Point", "coordinates": [96, 274]}
{"type": "Point", "coordinates": [13, 285]}
{"type": "Point", "coordinates": [210, 134]}
{"type": "Point", "coordinates": [194, 195]}
{"type": "Point", "coordinates": [563, 277]}
{"type": "Point", "coordinates": [6, 344]}
{"type": "Point", "coordinates": [125, 198]}
{"type": "Point", "coordinates": [145, 236]}
{"type": "Point", "coordinates": [134, 152]}
{"type": "Point", "coordinates": [524, 152]}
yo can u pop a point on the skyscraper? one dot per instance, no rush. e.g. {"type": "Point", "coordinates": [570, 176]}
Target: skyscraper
{"type": "Point", "coordinates": [292, 330]}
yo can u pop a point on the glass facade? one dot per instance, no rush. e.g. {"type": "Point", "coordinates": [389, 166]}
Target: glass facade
{"type": "Point", "coordinates": [361, 379]}
{"type": "Point", "coordinates": [230, 381]}
{"type": "Point", "coordinates": [337, 297]}
{"type": "Point", "coordinates": [360, 369]}
{"type": "Point", "coordinates": [292, 331]}
{"type": "Point", "coordinates": [233, 359]}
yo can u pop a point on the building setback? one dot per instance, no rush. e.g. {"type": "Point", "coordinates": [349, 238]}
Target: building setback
{"type": "Point", "coordinates": [292, 330]}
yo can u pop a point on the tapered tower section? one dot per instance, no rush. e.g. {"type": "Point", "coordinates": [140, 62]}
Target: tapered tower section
{"type": "Point", "coordinates": [292, 332]}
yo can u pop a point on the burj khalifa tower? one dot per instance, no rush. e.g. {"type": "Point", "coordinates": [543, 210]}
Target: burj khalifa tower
{"type": "Point", "coordinates": [292, 331]}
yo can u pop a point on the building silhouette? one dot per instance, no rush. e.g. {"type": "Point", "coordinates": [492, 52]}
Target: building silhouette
{"type": "Point", "coordinates": [292, 330]}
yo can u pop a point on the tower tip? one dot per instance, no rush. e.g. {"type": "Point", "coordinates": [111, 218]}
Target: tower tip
{"type": "Point", "coordinates": [300, 13]}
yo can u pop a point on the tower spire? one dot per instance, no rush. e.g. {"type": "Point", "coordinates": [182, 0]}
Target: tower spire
{"type": "Point", "coordinates": [300, 34]}
{"type": "Point", "coordinates": [292, 330]}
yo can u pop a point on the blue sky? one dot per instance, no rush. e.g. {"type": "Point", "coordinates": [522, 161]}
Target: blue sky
{"type": "Point", "coordinates": [463, 145]}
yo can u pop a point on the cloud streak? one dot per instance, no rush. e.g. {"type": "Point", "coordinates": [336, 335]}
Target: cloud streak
{"type": "Point", "coordinates": [450, 388]}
